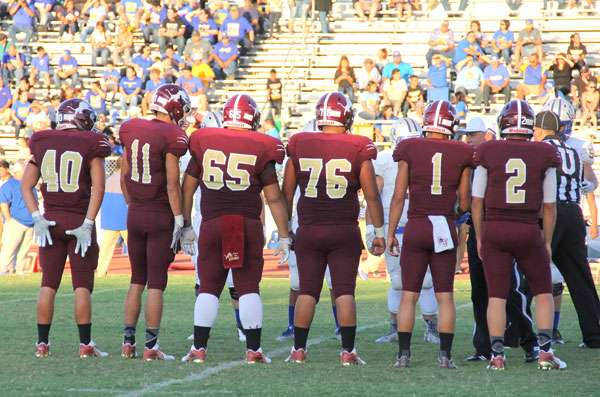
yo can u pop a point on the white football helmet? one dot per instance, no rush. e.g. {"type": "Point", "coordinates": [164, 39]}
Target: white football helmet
{"type": "Point", "coordinates": [213, 119]}
{"type": "Point", "coordinates": [310, 126]}
{"type": "Point", "coordinates": [565, 112]}
{"type": "Point", "coordinates": [405, 128]}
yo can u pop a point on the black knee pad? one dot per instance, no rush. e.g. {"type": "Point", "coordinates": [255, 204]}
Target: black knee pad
{"type": "Point", "coordinates": [557, 289]}
{"type": "Point", "coordinates": [234, 295]}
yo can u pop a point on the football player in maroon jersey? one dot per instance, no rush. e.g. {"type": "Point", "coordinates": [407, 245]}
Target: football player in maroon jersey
{"type": "Point", "coordinates": [232, 165]}
{"type": "Point", "coordinates": [514, 179]}
{"type": "Point", "coordinates": [330, 167]}
{"type": "Point", "coordinates": [70, 161]}
{"type": "Point", "coordinates": [150, 183]}
{"type": "Point", "coordinates": [435, 169]}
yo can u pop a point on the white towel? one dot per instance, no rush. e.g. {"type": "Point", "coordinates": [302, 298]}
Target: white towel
{"type": "Point", "coordinates": [442, 239]}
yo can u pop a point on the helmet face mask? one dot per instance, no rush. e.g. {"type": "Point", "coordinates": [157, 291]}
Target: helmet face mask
{"type": "Point", "coordinates": [173, 100]}
{"type": "Point", "coordinates": [440, 117]}
{"type": "Point", "coordinates": [241, 111]}
{"type": "Point", "coordinates": [404, 128]}
{"type": "Point", "coordinates": [76, 114]}
{"type": "Point", "coordinates": [334, 109]}
{"type": "Point", "coordinates": [516, 118]}
{"type": "Point", "coordinates": [565, 112]}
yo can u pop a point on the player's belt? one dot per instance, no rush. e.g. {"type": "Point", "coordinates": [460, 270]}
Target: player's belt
{"type": "Point", "coordinates": [566, 202]}
{"type": "Point", "coordinates": [400, 230]}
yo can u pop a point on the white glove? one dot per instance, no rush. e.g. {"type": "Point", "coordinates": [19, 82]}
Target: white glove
{"type": "Point", "coordinates": [369, 236]}
{"type": "Point", "coordinates": [41, 230]}
{"type": "Point", "coordinates": [189, 241]}
{"type": "Point", "coordinates": [84, 236]}
{"type": "Point", "coordinates": [177, 232]}
{"type": "Point", "coordinates": [283, 247]}
{"type": "Point", "coordinates": [587, 187]}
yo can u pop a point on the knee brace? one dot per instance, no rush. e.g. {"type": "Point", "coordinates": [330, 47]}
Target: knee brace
{"type": "Point", "coordinates": [557, 289]}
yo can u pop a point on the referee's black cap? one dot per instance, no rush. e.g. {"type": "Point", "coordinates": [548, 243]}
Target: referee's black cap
{"type": "Point", "coordinates": [547, 120]}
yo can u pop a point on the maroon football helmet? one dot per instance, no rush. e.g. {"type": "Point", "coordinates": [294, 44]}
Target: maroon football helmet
{"type": "Point", "coordinates": [76, 114]}
{"type": "Point", "coordinates": [441, 117]}
{"type": "Point", "coordinates": [241, 111]}
{"type": "Point", "coordinates": [173, 100]}
{"type": "Point", "coordinates": [516, 117]}
{"type": "Point", "coordinates": [336, 110]}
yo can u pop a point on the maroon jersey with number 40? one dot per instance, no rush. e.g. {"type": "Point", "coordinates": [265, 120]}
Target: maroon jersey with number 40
{"type": "Point", "coordinates": [147, 143]}
{"type": "Point", "coordinates": [230, 164]}
{"type": "Point", "coordinates": [516, 171]}
{"type": "Point", "coordinates": [64, 158]}
{"type": "Point", "coordinates": [435, 168]}
{"type": "Point", "coordinates": [327, 168]}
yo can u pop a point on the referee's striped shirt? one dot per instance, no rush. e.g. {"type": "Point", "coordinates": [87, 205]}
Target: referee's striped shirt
{"type": "Point", "coordinates": [570, 174]}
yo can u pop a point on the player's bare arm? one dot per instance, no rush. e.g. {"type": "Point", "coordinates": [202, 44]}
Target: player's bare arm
{"type": "Point", "coordinates": [591, 200]}
{"type": "Point", "coordinates": [397, 206]}
{"type": "Point", "coordinates": [373, 198]}
{"type": "Point", "coordinates": [289, 187]}
{"type": "Point", "coordinates": [98, 180]}
{"type": "Point", "coordinates": [173, 184]}
{"type": "Point", "coordinates": [124, 171]}
{"type": "Point", "coordinates": [477, 216]}
{"type": "Point", "coordinates": [190, 184]}
{"type": "Point", "coordinates": [30, 179]}
{"type": "Point", "coordinates": [464, 192]}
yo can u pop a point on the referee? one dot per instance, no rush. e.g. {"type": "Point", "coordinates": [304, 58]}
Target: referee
{"type": "Point", "coordinates": [569, 252]}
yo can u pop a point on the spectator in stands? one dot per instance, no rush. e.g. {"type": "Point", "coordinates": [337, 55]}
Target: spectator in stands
{"type": "Point", "coordinates": [52, 104]}
{"type": "Point", "coordinates": [297, 8]}
{"type": "Point", "coordinates": [169, 72]}
{"type": "Point", "coordinates": [323, 7]}
{"type": "Point", "coordinates": [381, 131]}
{"type": "Point", "coordinates": [370, 100]}
{"type": "Point", "coordinates": [469, 46]}
{"type": "Point", "coordinates": [274, 9]}
{"type": "Point", "coordinates": [470, 79]}
{"type": "Point", "coordinates": [382, 55]}
{"type": "Point", "coordinates": [97, 11]}
{"type": "Point", "coordinates": [345, 78]}
{"type": "Point", "coordinates": [576, 51]}
{"type": "Point", "coordinates": [534, 78]}
{"type": "Point", "coordinates": [404, 68]}
{"type": "Point", "coordinates": [43, 14]}
{"type": "Point", "coordinates": [220, 12]}
{"type": "Point", "coordinates": [68, 20]}
{"type": "Point", "coordinates": [203, 25]}
{"type": "Point", "coordinates": [110, 81]}
{"type": "Point", "coordinates": [6, 100]}
{"type": "Point", "coordinates": [23, 15]}
{"type": "Point", "coordinates": [480, 37]}
{"type": "Point", "coordinates": [461, 7]}
{"type": "Point", "coordinates": [195, 89]}
{"type": "Point", "coordinates": [363, 6]}
{"type": "Point", "coordinates": [460, 102]}
{"type": "Point", "coordinates": [66, 93]}
{"type": "Point", "coordinates": [153, 17]}
{"type": "Point", "coordinates": [224, 58]}
{"type": "Point", "coordinates": [404, 5]}
{"type": "Point", "coordinates": [589, 105]}
{"type": "Point", "coordinates": [436, 75]}
{"type": "Point", "coordinates": [562, 73]}
{"type": "Point", "coordinates": [131, 11]}
{"type": "Point", "coordinates": [171, 31]}
{"type": "Point", "coordinates": [20, 111]}
{"type": "Point", "coordinates": [368, 73]}
{"type": "Point", "coordinates": [415, 101]}
{"type": "Point", "coordinates": [24, 154]}
{"type": "Point", "coordinates": [96, 97]}
{"type": "Point", "coordinates": [175, 57]}
{"type": "Point", "coordinates": [251, 14]}
{"type": "Point", "coordinates": [130, 88]}
{"type": "Point", "coordinates": [496, 80]}
{"type": "Point", "coordinates": [24, 86]}
{"type": "Point", "coordinates": [123, 44]}
{"type": "Point", "coordinates": [274, 93]}
{"type": "Point", "coordinates": [67, 69]}
{"type": "Point", "coordinates": [142, 62]}
{"type": "Point", "coordinates": [13, 65]}
{"type": "Point", "coordinates": [529, 42]}
{"type": "Point", "coordinates": [550, 92]}
{"type": "Point", "coordinates": [153, 82]}
{"type": "Point", "coordinates": [579, 85]}
{"type": "Point", "coordinates": [203, 71]}
{"type": "Point", "coordinates": [238, 29]}
{"type": "Point", "coordinates": [441, 41]}
{"type": "Point", "coordinates": [101, 40]}
{"type": "Point", "coordinates": [37, 119]}
{"type": "Point", "coordinates": [270, 129]}
{"type": "Point", "coordinates": [115, 148]}
{"type": "Point", "coordinates": [394, 91]}
{"type": "Point", "coordinates": [199, 46]}
{"type": "Point", "coordinates": [103, 126]}
{"type": "Point", "coordinates": [503, 41]}
{"type": "Point", "coordinates": [40, 67]}
{"type": "Point", "coordinates": [4, 43]}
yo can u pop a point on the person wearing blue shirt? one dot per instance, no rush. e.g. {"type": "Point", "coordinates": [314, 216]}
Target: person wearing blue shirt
{"type": "Point", "coordinates": [13, 64]}
{"type": "Point", "coordinates": [194, 87]}
{"type": "Point", "coordinates": [176, 59]}
{"type": "Point", "coordinates": [436, 75]}
{"type": "Point", "coordinates": [201, 22]}
{"type": "Point", "coordinates": [22, 12]}
{"type": "Point", "coordinates": [460, 103]}
{"type": "Point", "coordinates": [97, 15]}
{"type": "Point", "coordinates": [5, 103]}
{"type": "Point", "coordinates": [503, 41]}
{"type": "Point", "coordinates": [154, 17]}
{"type": "Point", "coordinates": [534, 78]}
{"type": "Point", "coordinates": [132, 11]}
{"type": "Point", "coordinates": [97, 98]}
{"type": "Point", "coordinates": [130, 87]}
{"type": "Point", "coordinates": [405, 69]}
{"type": "Point", "coordinates": [270, 129]}
{"type": "Point", "coordinates": [496, 80]}
{"type": "Point", "coordinates": [18, 223]}
{"type": "Point", "coordinates": [40, 67]}
{"type": "Point", "coordinates": [67, 68]}
{"type": "Point", "coordinates": [153, 82]}
{"type": "Point", "coordinates": [43, 11]}
{"type": "Point", "coordinates": [224, 58]}
{"type": "Point", "coordinates": [143, 61]}
{"type": "Point", "coordinates": [468, 46]}
{"type": "Point", "coordinates": [370, 100]}
{"type": "Point", "coordinates": [237, 27]}
{"type": "Point", "coordinates": [470, 79]}
{"type": "Point", "coordinates": [19, 112]}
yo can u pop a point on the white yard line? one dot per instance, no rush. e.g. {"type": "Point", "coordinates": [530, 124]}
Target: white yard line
{"type": "Point", "coordinates": [34, 298]}
{"type": "Point", "coordinates": [111, 391]}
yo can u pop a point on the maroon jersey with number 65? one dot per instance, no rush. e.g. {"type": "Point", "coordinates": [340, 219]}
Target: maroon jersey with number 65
{"type": "Point", "coordinates": [516, 171]}
{"type": "Point", "coordinates": [147, 143]}
{"type": "Point", "coordinates": [435, 168]}
{"type": "Point", "coordinates": [64, 158]}
{"type": "Point", "coordinates": [327, 168]}
{"type": "Point", "coordinates": [230, 165]}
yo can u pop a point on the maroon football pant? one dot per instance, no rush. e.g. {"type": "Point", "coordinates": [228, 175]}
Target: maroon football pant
{"type": "Point", "coordinates": [316, 247]}
{"type": "Point", "coordinates": [149, 236]}
{"type": "Point", "coordinates": [502, 243]}
{"type": "Point", "coordinates": [418, 252]}
{"type": "Point", "coordinates": [53, 257]}
{"type": "Point", "coordinates": [211, 272]}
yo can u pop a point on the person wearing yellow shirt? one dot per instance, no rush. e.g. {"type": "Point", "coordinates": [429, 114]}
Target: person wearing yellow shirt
{"type": "Point", "coordinates": [202, 70]}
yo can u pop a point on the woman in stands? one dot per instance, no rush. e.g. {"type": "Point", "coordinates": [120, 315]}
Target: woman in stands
{"type": "Point", "coordinates": [576, 51]}
{"type": "Point", "coordinates": [68, 18]}
{"type": "Point", "coordinates": [345, 78]}
{"type": "Point", "coordinates": [479, 35]}
{"type": "Point", "coordinates": [562, 70]}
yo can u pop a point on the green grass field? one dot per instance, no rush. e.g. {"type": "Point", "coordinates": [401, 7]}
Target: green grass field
{"type": "Point", "coordinates": [64, 374]}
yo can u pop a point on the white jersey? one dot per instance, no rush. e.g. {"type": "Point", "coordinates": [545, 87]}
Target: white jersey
{"type": "Point", "coordinates": [584, 148]}
{"type": "Point", "coordinates": [386, 167]}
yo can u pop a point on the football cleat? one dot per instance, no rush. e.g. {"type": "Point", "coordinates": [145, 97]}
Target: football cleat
{"type": "Point", "coordinates": [338, 333]}
{"type": "Point", "coordinates": [431, 335]}
{"type": "Point", "coordinates": [548, 361]}
{"type": "Point", "coordinates": [532, 355]}
{"type": "Point", "coordinates": [42, 349]}
{"type": "Point", "coordinates": [402, 362]}
{"type": "Point", "coordinates": [155, 354]}
{"type": "Point", "coordinates": [445, 362]}
{"type": "Point", "coordinates": [128, 350]}
{"type": "Point", "coordinates": [287, 334]}
{"type": "Point", "coordinates": [391, 336]}
{"type": "Point", "coordinates": [351, 358]}
{"type": "Point", "coordinates": [557, 338]}
{"type": "Point", "coordinates": [478, 357]}
{"type": "Point", "coordinates": [497, 363]}
{"type": "Point", "coordinates": [296, 356]}
{"type": "Point", "coordinates": [90, 350]}
{"type": "Point", "coordinates": [253, 357]}
{"type": "Point", "coordinates": [195, 356]}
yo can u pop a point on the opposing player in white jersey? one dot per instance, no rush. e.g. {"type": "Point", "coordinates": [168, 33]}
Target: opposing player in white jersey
{"type": "Point", "coordinates": [386, 170]}
{"type": "Point", "coordinates": [288, 333]}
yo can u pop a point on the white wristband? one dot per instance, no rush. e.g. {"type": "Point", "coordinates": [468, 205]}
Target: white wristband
{"type": "Point", "coordinates": [380, 232]}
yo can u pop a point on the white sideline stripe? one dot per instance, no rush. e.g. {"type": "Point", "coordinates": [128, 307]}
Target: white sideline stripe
{"type": "Point", "coordinates": [152, 388]}
{"type": "Point", "coordinates": [111, 391]}
{"type": "Point", "coordinates": [34, 298]}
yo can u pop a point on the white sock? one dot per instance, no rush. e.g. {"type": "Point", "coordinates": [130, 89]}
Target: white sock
{"type": "Point", "coordinates": [394, 296]}
{"type": "Point", "coordinates": [251, 311]}
{"type": "Point", "coordinates": [205, 310]}
{"type": "Point", "coordinates": [428, 302]}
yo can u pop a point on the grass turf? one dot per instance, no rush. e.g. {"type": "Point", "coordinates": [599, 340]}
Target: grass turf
{"type": "Point", "coordinates": [64, 374]}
